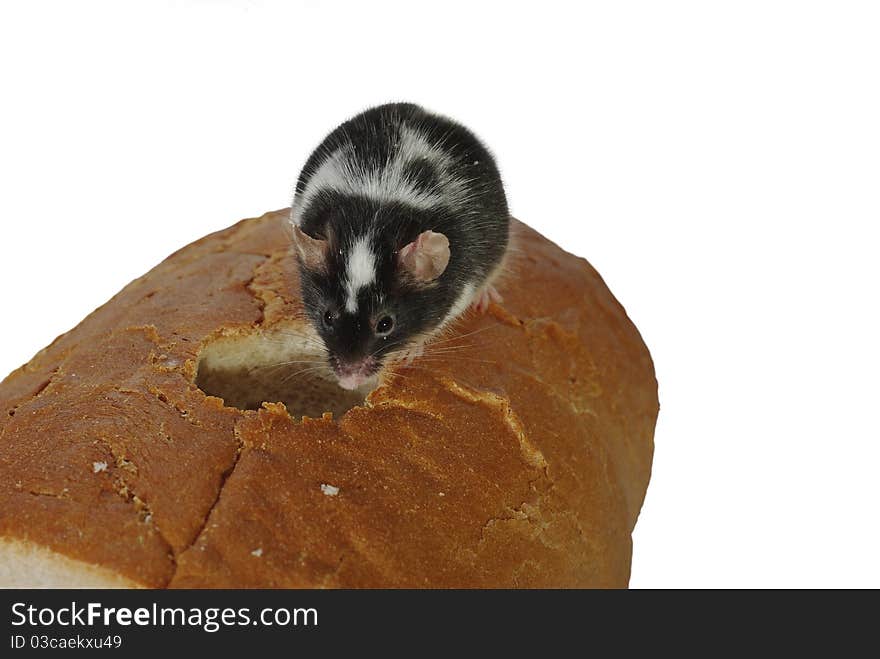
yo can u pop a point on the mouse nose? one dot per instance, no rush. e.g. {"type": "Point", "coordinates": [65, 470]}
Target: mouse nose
{"type": "Point", "coordinates": [351, 381]}
{"type": "Point", "coordinates": [352, 375]}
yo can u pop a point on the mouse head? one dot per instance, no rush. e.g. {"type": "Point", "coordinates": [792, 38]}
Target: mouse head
{"type": "Point", "coordinates": [369, 296]}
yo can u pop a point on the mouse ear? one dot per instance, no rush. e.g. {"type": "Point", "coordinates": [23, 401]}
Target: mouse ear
{"type": "Point", "coordinates": [312, 251]}
{"type": "Point", "coordinates": [426, 257]}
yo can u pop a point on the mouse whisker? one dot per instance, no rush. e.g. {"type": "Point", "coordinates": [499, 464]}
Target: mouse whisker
{"type": "Point", "coordinates": [448, 349]}
{"type": "Point", "coordinates": [285, 363]}
{"type": "Point", "coordinates": [299, 361]}
{"type": "Point", "coordinates": [309, 337]}
{"type": "Point", "coordinates": [466, 359]}
{"type": "Point", "coordinates": [311, 371]}
{"type": "Point", "coordinates": [466, 334]}
{"type": "Point", "coordinates": [386, 347]}
{"type": "Point", "coordinates": [393, 376]}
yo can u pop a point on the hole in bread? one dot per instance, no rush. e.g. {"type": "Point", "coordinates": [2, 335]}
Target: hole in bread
{"type": "Point", "coordinates": [279, 367]}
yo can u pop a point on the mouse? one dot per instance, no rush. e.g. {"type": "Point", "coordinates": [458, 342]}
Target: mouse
{"type": "Point", "coordinates": [400, 224]}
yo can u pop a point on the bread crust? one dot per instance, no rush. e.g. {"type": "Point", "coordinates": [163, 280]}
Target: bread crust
{"type": "Point", "coordinates": [518, 459]}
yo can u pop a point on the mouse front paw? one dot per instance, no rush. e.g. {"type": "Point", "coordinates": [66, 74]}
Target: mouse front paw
{"type": "Point", "coordinates": [411, 354]}
{"type": "Point", "coordinates": [486, 296]}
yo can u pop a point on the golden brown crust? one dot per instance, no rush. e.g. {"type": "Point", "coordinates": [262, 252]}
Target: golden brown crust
{"type": "Point", "coordinates": [520, 458]}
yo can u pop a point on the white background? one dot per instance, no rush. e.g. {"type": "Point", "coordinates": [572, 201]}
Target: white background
{"type": "Point", "coordinates": [717, 162]}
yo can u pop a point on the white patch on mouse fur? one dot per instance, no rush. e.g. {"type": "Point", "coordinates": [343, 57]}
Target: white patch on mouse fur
{"type": "Point", "coordinates": [332, 174]}
{"type": "Point", "coordinates": [462, 302]}
{"type": "Point", "coordinates": [360, 271]}
{"type": "Point", "coordinates": [341, 172]}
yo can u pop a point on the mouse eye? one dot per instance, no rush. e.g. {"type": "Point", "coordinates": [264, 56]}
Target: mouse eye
{"type": "Point", "coordinates": [328, 319]}
{"type": "Point", "coordinates": [384, 326]}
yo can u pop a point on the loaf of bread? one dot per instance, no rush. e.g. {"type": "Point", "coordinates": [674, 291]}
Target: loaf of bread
{"type": "Point", "coordinates": [185, 435]}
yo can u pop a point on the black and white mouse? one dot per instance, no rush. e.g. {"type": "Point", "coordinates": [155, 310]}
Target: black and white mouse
{"type": "Point", "coordinates": [400, 224]}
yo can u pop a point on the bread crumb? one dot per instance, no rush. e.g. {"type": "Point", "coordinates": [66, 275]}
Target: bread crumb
{"type": "Point", "coordinates": [99, 466]}
{"type": "Point", "coordinates": [257, 552]}
{"type": "Point", "coordinates": [441, 494]}
{"type": "Point", "coordinates": [329, 490]}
